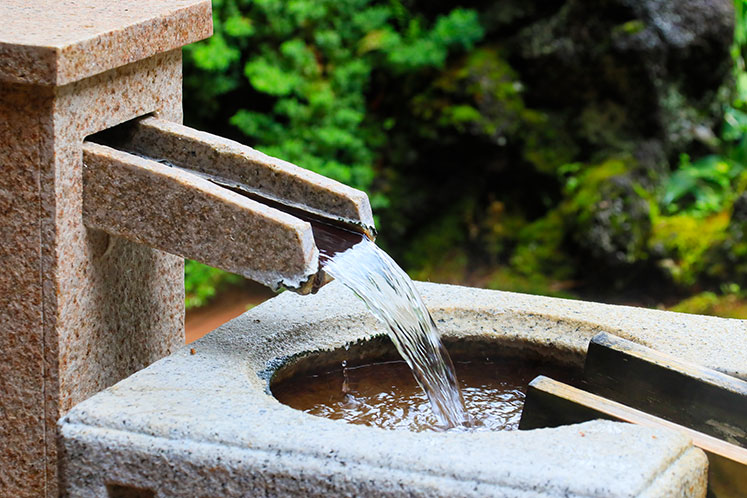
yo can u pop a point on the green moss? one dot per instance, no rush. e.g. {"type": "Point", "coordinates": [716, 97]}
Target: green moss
{"type": "Point", "coordinates": [506, 279]}
{"type": "Point", "coordinates": [608, 214]}
{"type": "Point", "coordinates": [583, 190]}
{"type": "Point", "coordinates": [731, 305]}
{"type": "Point", "coordinates": [482, 95]}
{"type": "Point", "coordinates": [699, 304]}
{"type": "Point", "coordinates": [479, 94]}
{"type": "Point", "coordinates": [682, 241]}
{"type": "Point", "coordinates": [539, 250]}
{"type": "Point", "coordinates": [630, 27]}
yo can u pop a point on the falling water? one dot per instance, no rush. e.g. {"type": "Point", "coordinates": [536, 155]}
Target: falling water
{"type": "Point", "coordinates": [390, 294]}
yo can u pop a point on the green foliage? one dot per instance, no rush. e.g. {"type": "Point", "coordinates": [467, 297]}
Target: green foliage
{"type": "Point", "coordinates": [702, 187]}
{"type": "Point", "coordinates": [476, 174]}
{"type": "Point", "coordinates": [295, 75]}
{"type": "Point", "coordinates": [708, 184]}
{"type": "Point", "coordinates": [201, 282]}
{"type": "Point", "coordinates": [301, 70]}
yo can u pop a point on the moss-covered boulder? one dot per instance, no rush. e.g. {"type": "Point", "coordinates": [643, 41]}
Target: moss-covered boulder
{"type": "Point", "coordinates": [569, 118]}
{"type": "Point", "coordinates": [628, 71]}
{"type": "Point", "coordinates": [608, 218]}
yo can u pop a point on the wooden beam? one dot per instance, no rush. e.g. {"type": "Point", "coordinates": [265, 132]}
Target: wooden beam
{"type": "Point", "coordinates": [550, 403]}
{"type": "Point", "coordinates": [706, 400]}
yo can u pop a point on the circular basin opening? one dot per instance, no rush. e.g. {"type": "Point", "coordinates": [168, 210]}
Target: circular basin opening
{"type": "Point", "coordinates": [368, 383]}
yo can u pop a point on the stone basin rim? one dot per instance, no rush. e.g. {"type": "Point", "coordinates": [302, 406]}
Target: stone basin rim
{"type": "Point", "coordinates": [379, 348]}
{"type": "Point", "coordinates": [560, 327]}
{"type": "Point", "coordinates": [264, 338]}
{"type": "Point", "coordinates": [213, 402]}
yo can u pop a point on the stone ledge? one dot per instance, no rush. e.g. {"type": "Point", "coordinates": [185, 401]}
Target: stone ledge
{"type": "Point", "coordinates": [178, 467]}
{"type": "Point", "coordinates": [55, 42]}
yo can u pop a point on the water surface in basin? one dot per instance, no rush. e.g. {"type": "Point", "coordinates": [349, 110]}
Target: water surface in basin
{"type": "Point", "coordinates": [385, 394]}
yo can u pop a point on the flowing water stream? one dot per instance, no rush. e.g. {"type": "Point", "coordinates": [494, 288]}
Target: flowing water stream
{"type": "Point", "coordinates": [390, 294]}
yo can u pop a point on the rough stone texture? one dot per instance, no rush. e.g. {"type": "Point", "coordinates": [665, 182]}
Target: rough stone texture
{"type": "Point", "coordinates": [179, 212]}
{"type": "Point", "coordinates": [55, 42]}
{"type": "Point", "coordinates": [79, 310]}
{"type": "Point", "coordinates": [203, 423]}
{"type": "Point", "coordinates": [635, 71]}
{"type": "Point", "coordinates": [558, 82]}
{"type": "Point", "coordinates": [233, 162]}
{"type": "Point", "coordinates": [22, 424]}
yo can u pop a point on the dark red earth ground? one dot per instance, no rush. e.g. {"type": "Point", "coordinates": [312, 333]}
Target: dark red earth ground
{"type": "Point", "coordinates": [228, 304]}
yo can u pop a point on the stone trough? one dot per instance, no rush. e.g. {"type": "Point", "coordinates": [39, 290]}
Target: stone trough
{"type": "Point", "coordinates": [96, 228]}
{"type": "Point", "coordinates": [202, 422]}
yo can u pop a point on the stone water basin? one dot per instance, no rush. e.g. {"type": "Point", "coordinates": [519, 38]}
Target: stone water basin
{"type": "Point", "coordinates": [202, 422]}
{"type": "Point", "coordinates": [369, 383]}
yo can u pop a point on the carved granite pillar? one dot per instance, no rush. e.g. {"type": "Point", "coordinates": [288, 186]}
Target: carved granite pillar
{"type": "Point", "coordinates": [79, 309]}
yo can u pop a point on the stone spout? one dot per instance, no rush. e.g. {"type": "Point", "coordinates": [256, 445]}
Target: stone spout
{"type": "Point", "coordinates": [214, 200]}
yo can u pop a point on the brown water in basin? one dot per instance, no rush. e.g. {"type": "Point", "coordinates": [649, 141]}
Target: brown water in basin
{"type": "Point", "coordinates": [384, 394]}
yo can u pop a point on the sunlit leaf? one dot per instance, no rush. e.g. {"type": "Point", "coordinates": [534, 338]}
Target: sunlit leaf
{"type": "Point", "coordinates": [270, 79]}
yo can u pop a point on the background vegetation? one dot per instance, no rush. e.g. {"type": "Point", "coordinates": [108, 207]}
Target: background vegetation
{"type": "Point", "coordinates": [499, 146]}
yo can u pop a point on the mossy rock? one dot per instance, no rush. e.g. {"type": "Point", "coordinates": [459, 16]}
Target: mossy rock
{"type": "Point", "coordinates": [630, 71]}
{"type": "Point", "coordinates": [682, 242]}
{"type": "Point", "coordinates": [608, 214]}
{"type": "Point", "coordinates": [540, 249]}
{"type": "Point", "coordinates": [731, 305]}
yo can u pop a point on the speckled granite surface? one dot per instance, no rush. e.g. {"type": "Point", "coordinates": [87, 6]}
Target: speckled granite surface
{"type": "Point", "coordinates": [203, 423]}
{"type": "Point", "coordinates": [171, 209]}
{"type": "Point", "coordinates": [22, 424]}
{"type": "Point", "coordinates": [55, 42]}
{"type": "Point", "coordinates": [79, 310]}
{"type": "Point", "coordinates": [229, 161]}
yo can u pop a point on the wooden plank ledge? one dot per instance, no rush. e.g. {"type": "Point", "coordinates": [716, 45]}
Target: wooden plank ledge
{"type": "Point", "coordinates": [550, 403]}
{"type": "Point", "coordinates": [691, 395]}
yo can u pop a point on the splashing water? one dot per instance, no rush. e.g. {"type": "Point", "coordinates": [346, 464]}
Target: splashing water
{"type": "Point", "coordinates": [390, 294]}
